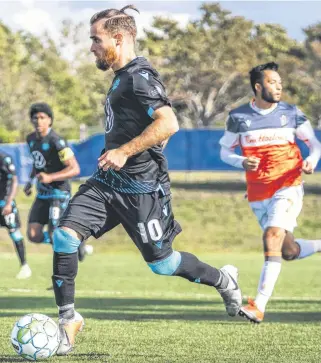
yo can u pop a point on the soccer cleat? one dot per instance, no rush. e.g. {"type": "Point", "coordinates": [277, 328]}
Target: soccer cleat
{"type": "Point", "coordinates": [24, 273]}
{"type": "Point", "coordinates": [68, 330]}
{"type": "Point", "coordinates": [231, 295]}
{"type": "Point", "coordinates": [251, 312]}
{"type": "Point", "coordinates": [84, 250]}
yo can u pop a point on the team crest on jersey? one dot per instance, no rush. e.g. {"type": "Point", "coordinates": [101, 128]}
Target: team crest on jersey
{"type": "Point", "coordinates": [109, 122]}
{"type": "Point", "coordinates": [39, 159]}
{"type": "Point", "coordinates": [284, 120]}
{"type": "Point", "coordinates": [248, 123]}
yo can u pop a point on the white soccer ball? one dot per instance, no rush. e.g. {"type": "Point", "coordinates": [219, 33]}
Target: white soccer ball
{"type": "Point", "coordinates": [35, 337]}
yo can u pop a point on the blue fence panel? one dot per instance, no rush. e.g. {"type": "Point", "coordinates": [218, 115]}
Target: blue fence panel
{"type": "Point", "coordinates": [186, 150]}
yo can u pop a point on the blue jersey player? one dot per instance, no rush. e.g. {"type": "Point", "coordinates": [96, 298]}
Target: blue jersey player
{"type": "Point", "coordinates": [9, 215]}
{"type": "Point", "coordinates": [54, 164]}
{"type": "Point", "coordinates": [131, 185]}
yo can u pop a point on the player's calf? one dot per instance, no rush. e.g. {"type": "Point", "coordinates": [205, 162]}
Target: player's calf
{"type": "Point", "coordinates": [188, 266]}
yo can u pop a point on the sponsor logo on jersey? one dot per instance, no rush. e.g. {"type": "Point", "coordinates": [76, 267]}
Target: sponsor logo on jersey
{"type": "Point", "coordinates": [39, 159]}
{"type": "Point", "coordinates": [109, 122]}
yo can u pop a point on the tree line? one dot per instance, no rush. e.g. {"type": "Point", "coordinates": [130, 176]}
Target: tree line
{"type": "Point", "coordinates": [204, 66]}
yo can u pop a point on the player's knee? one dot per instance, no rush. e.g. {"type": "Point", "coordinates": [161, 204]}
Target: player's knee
{"type": "Point", "coordinates": [34, 237]}
{"type": "Point", "coordinates": [273, 238]}
{"type": "Point", "coordinates": [16, 235]}
{"type": "Point", "coordinates": [289, 254]}
{"type": "Point", "coordinates": [274, 234]}
{"type": "Point", "coordinates": [167, 266]}
{"type": "Point", "coordinates": [64, 242]}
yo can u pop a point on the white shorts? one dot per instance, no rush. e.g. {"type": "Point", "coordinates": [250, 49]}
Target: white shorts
{"type": "Point", "coordinates": [281, 210]}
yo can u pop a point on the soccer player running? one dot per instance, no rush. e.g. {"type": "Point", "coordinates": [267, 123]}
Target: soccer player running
{"type": "Point", "coordinates": [131, 185]}
{"type": "Point", "coordinates": [54, 164]}
{"type": "Point", "coordinates": [9, 215]}
{"type": "Point", "coordinates": [265, 129]}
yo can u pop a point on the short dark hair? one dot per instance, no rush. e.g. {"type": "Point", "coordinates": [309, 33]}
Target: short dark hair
{"type": "Point", "coordinates": [41, 107]}
{"type": "Point", "coordinates": [257, 73]}
{"type": "Point", "coordinates": [117, 20]}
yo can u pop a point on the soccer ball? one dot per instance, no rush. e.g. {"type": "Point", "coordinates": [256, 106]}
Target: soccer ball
{"type": "Point", "coordinates": [35, 336]}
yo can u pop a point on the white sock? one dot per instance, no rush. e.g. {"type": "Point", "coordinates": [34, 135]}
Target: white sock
{"type": "Point", "coordinates": [308, 247]}
{"type": "Point", "coordinates": [269, 275]}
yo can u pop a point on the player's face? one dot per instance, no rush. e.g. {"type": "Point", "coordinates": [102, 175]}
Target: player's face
{"type": "Point", "coordinates": [271, 89]}
{"type": "Point", "coordinates": [103, 46]}
{"type": "Point", "coordinates": [41, 122]}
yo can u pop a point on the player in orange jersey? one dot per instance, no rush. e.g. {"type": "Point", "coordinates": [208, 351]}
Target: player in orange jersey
{"type": "Point", "coordinates": [265, 129]}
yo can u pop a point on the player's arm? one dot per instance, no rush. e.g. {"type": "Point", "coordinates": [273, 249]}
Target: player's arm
{"type": "Point", "coordinates": [12, 184]}
{"type": "Point", "coordinates": [305, 132]}
{"type": "Point", "coordinates": [28, 186]}
{"type": "Point", "coordinates": [228, 143]}
{"type": "Point", "coordinates": [67, 157]}
{"type": "Point", "coordinates": [158, 132]}
{"type": "Point", "coordinates": [164, 125]}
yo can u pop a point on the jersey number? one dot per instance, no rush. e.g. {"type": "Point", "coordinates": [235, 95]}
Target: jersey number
{"type": "Point", "coordinates": [154, 229]}
{"type": "Point", "coordinates": [10, 219]}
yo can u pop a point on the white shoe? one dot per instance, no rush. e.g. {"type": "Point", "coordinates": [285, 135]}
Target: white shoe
{"type": "Point", "coordinates": [68, 330]}
{"type": "Point", "coordinates": [24, 273]}
{"type": "Point", "coordinates": [231, 295]}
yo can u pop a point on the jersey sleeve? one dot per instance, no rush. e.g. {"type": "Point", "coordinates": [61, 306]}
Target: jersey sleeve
{"type": "Point", "coordinates": [300, 118]}
{"type": "Point", "coordinates": [64, 151]}
{"type": "Point", "coordinates": [149, 91]}
{"type": "Point", "coordinates": [8, 167]}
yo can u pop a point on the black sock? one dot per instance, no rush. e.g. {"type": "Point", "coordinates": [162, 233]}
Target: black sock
{"type": "Point", "coordinates": [192, 269]}
{"type": "Point", "coordinates": [20, 248]}
{"type": "Point", "coordinates": [65, 268]}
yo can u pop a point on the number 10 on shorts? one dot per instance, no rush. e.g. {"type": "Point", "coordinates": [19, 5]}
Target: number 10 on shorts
{"type": "Point", "coordinates": [152, 227]}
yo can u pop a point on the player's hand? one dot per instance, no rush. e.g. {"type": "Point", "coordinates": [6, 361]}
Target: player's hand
{"type": "Point", "coordinates": [7, 209]}
{"type": "Point", "coordinates": [307, 167]}
{"type": "Point", "coordinates": [251, 163]}
{"type": "Point", "coordinates": [44, 178]}
{"type": "Point", "coordinates": [28, 189]}
{"type": "Point", "coordinates": [114, 159]}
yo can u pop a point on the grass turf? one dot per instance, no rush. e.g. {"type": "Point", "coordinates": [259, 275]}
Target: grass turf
{"type": "Point", "coordinates": [135, 316]}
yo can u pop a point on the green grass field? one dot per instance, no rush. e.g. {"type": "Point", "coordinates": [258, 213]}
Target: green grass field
{"type": "Point", "coordinates": [134, 316]}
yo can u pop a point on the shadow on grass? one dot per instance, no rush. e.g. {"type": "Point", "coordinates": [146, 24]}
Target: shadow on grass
{"type": "Point", "coordinates": [135, 309]}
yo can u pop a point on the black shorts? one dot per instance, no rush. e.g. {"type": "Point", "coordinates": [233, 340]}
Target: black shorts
{"type": "Point", "coordinates": [45, 211]}
{"type": "Point", "coordinates": [147, 218]}
{"type": "Point", "coordinates": [12, 220]}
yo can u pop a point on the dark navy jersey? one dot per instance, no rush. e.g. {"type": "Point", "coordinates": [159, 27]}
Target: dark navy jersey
{"type": "Point", "coordinates": [7, 171]}
{"type": "Point", "coordinates": [49, 154]}
{"type": "Point", "coordinates": [136, 92]}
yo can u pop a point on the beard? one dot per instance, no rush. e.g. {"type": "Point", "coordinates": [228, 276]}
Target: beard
{"type": "Point", "coordinates": [109, 58]}
{"type": "Point", "coordinates": [268, 97]}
